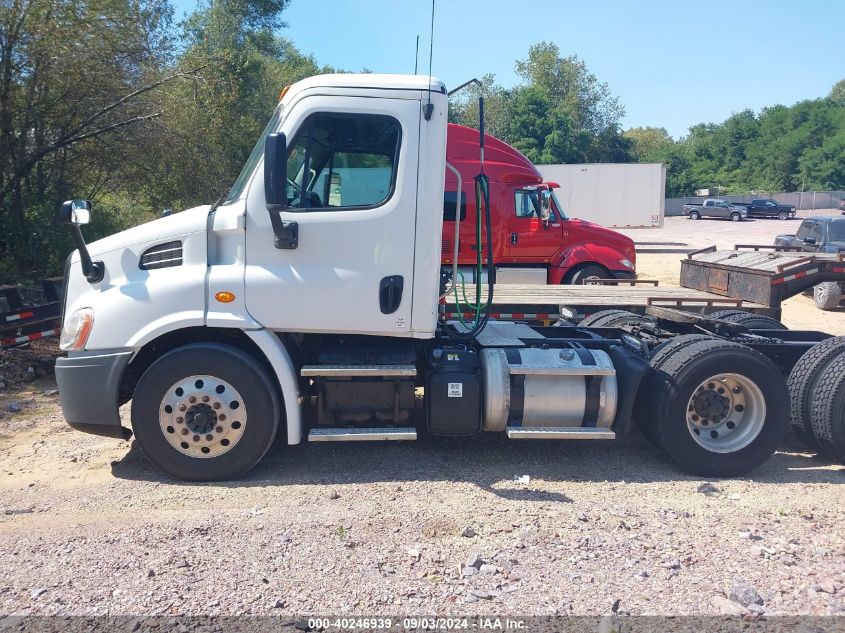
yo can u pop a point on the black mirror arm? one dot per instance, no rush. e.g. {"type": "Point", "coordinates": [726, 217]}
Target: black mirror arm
{"type": "Point", "coordinates": [93, 271]}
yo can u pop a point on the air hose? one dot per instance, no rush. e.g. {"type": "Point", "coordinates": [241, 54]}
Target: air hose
{"type": "Point", "coordinates": [482, 201]}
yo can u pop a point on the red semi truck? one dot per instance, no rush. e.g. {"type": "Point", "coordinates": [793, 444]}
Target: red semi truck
{"type": "Point", "coordinates": [533, 239]}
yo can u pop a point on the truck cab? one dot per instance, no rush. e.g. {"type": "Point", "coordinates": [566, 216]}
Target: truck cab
{"type": "Point", "coordinates": [534, 241]}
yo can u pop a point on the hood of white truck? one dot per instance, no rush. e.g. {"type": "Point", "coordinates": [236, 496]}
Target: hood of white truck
{"type": "Point", "coordinates": [169, 227]}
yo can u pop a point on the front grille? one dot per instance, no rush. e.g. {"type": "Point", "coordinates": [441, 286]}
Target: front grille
{"type": "Point", "coordinates": [161, 256]}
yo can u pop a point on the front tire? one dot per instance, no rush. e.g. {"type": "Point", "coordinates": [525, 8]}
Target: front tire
{"type": "Point", "coordinates": [721, 409]}
{"type": "Point", "coordinates": [783, 215]}
{"type": "Point", "coordinates": [584, 274]}
{"type": "Point", "coordinates": [205, 412]}
{"type": "Point", "coordinates": [736, 217]}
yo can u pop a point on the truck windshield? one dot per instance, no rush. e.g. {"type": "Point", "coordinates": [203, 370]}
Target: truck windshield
{"type": "Point", "coordinates": [238, 187]}
{"type": "Point", "coordinates": [558, 207]}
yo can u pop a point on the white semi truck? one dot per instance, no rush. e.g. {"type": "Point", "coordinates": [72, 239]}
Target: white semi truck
{"type": "Point", "coordinates": [306, 303]}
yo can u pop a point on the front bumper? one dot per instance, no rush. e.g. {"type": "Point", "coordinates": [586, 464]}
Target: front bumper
{"type": "Point", "coordinates": [88, 390]}
{"type": "Point", "coordinates": [623, 274]}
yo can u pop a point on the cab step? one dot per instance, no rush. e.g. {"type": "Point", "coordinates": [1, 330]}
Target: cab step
{"type": "Point", "coordinates": [361, 435]}
{"type": "Point", "coordinates": [358, 370]}
{"type": "Point", "coordinates": [560, 433]}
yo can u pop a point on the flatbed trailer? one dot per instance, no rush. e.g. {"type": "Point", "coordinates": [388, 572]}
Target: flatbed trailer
{"type": "Point", "coordinates": [766, 274]}
{"type": "Point", "coordinates": [540, 304]}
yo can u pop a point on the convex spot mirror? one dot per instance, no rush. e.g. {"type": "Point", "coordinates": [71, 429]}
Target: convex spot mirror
{"type": "Point", "coordinates": [75, 212]}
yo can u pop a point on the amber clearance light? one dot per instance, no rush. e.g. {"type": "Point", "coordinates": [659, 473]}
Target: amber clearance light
{"type": "Point", "coordinates": [225, 296]}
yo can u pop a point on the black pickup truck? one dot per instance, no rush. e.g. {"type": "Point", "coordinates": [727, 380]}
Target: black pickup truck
{"type": "Point", "coordinates": [768, 208]}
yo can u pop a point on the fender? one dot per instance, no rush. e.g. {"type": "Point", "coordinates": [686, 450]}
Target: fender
{"type": "Point", "coordinates": [278, 357]}
{"type": "Point", "coordinates": [585, 252]}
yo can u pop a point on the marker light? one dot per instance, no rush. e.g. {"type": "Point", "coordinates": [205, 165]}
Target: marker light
{"type": "Point", "coordinates": [76, 330]}
{"type": "Point", "coordinates": [225, 296]}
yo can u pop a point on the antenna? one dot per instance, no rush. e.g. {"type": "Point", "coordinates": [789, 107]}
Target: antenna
{"type": "Point", "coordinates": [428, 110]}
{"type": "Point", "coordinates": [417, 55]}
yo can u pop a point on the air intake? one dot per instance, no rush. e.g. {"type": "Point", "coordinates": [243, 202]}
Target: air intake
{"type": "Point", "coordinates": [162, 256]}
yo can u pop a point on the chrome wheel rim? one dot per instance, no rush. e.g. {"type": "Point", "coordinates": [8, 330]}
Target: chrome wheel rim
{"type": "Point", "coordinates": [202, 416]}
{"type": "Point", "coordinates": [726, 413]}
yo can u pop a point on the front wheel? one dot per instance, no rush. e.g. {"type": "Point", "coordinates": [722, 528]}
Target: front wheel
{"type": "Point", "coordinates": [827, 295]}
{"type": "Point", "coordinates": [736, 217]}
{"type": "Point", "coordinates": [783, 215]}
{"type": "Point", "coordinates": [721, 408]}
{"type": "Point", "coordinates": [205, 412]}
{"type": "Point", "coordinates": [585, 274]}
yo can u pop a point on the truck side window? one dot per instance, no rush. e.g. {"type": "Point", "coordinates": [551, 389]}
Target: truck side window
{"type": "Point", "coordinates": [450, 199]}
{"type": "Point", "coordinates": [526, 203]}
{"type": "Point", "coordinates": [343, 161]}
{"type": "Point", "coordinates": [816, 232]}
{"type": "Point", "coordinates": [804, 229]}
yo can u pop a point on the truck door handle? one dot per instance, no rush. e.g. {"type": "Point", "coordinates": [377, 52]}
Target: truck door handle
{"type": "Point", "coordinates": [390, 293]}
{"type": "Point", "coordinates": [514, 238]}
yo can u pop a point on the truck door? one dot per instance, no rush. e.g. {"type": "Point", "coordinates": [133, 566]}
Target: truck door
{"type": "Point", "coordinates": [352, 169]}
{"type": "Point", "coordinates": [531, 238]}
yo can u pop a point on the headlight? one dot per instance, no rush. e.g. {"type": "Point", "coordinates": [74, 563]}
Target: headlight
{"type": "Point", "coordinates": [76, 330]}
{"type": "Point", "coordinates": [627, 263]}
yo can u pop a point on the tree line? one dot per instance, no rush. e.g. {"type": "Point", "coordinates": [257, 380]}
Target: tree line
{"type": "Point", "coordinates": [118, 102]}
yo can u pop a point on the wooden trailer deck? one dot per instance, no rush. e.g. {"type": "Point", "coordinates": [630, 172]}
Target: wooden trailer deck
{"type": "Point", "coordinates": [537, 303]}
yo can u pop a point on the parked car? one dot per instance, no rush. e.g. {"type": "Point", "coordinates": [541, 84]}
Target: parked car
{"type": "Point", "coordinates": [821, 234]}
{"type": "Point", "coordinates": [768, 208]}
{"type": "Point", "coordinates": [715, 209]}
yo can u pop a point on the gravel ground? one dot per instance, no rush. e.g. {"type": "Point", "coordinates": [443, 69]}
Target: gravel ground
{"type": "Point", "coordinates": [429, 527]}
{"type": "Point", "coordinates": [473, 526]}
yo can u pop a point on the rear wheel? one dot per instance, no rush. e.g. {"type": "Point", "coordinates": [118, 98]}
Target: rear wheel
{"type": "Point", "coordinates": [827, 295]}
{"type": "Point", "coordinates": [613, 318]}
{"type": "Point", "coordinates": [586, 273]}
{"type": "Point", "coordinates": [802, 381]}
{"type": "Point", "coordinates": [694, 215]}
{"type": "Point", "coordinates": [827, 409]}
{"type": "Point", "coordinates": [736, 216]}
{"type": "Point", "coordinates": [748, 319]}
{"type": "Point", "coordinates": [645, 414]}
{"type": "Point", "coordinates": [720, 408]}
{"type": "Point", "coordinates": [205, 412]}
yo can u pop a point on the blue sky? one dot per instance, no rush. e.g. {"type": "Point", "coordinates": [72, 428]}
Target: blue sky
{"type": "Point", "coordinates": [672, 64]}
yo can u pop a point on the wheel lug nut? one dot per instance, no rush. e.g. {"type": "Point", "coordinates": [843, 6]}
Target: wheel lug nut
{"type": "Point", "coordinates": [184, 431]}
{"type": "Point", "coordinates": [209, 437]}
{"type": "Point", "coordinates": [205, 398]}
{"type": "Point", "coordinates": [196, 438]}
{"type": "Point", "coordinates": [182, 407]}
{"type": "Point", "coordinates": [192, 399]}
{"type": "Point", "coordinates": [216, 405]}
{"type": "Point", "coordinates": [219, 429]}
{"type": "Point", "coordinates": [222, 417]}
{"type": "Point", "coordinates": [179, 420]}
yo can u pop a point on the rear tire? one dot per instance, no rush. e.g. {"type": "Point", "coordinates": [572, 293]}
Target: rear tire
{"type": "Point", "coordinates": [205, 412]}
{"type": "Point", "coordinates": [583, 274]}
{"type": "Point", "coordinates": [736, 217]}
{"type": "Point", "coordinates": [802, 385]}
{"type": "Point", "coordinates": [613, 318]}
{"type": "Point", "coordinates": [645, 413]}
{"type": "Point", "coordinates": [827, 295]}
{"type": "Point", "coordinates": [749, 319]}
{"type": "Point", "coordinates": [721, 408]}
{"type": "Point", "coordinates": [694, 215]}
{"type": "Point", "coordinates": [827, 409]}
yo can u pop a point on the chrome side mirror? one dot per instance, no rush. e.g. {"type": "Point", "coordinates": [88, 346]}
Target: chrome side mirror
{"type": "Point", "coordinates": [76, 212]}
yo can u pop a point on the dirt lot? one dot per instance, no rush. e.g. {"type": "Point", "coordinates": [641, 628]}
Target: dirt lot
{"type": "Point", "coordinates": [435, 526]}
